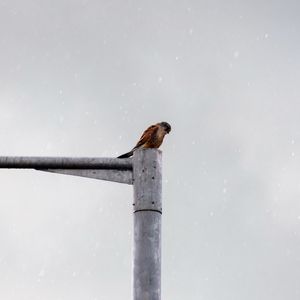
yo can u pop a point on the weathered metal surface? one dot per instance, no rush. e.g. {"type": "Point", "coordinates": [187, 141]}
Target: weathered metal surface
{"type": "Point", "coordinates": [147, 180]}
{"type": "Point", "coordinates": [147, 256]}
{"type": "Point", "coordinates": [124, 176]}
{"type": "Point", "coordinates": [28, 162]}
{"type": "Point", "coordinates": [147, 224]}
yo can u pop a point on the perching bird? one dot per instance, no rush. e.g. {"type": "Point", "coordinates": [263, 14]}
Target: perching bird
{"type": "Point", "coordinates": [151, 138]}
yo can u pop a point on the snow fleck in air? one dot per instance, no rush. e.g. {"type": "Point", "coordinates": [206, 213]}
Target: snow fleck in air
{"type": "Point", "coordinates": [191, 31]}
{"type": "Point", "coordinates": [236, 54]}
{"type": "Point", "coordinates": [176, 58]}
{"type": "Point", "coordinates": [293, 154]}
{"type": "Point", "coordinates": [160, 79]}
{"type": "Point", "coordinates": [292, 142]}
{"type": "Point", "coordinates": [211, 214]}
{"type": "Point", "coordinates": [224, 190]}
{"type": "Point", "coordinates": [266, 36]}
{"type": "Point", "coordinates": [60, 92]}
{"type": "Point", "coordinates": [42, 273]}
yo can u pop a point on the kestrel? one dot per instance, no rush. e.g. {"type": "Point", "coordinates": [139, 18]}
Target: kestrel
{"type": "Point", "coordinates": [152, 137]}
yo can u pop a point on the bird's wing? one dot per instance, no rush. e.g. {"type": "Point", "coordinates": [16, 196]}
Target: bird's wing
{"type": "Point", "coordinates": [147, 135]}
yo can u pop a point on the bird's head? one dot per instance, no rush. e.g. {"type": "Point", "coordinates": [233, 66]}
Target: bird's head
{"type": "Point", "coordinates": [166, 126]}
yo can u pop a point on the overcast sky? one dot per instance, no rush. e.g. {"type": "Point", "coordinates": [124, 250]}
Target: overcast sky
{"type": "Point", "coordinates": [85, 78]}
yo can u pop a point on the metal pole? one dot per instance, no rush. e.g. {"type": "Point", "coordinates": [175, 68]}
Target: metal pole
{"type": "Point", "coordinates": [36, 162]}
{"type": "Point", "coordinates": [147, 224]}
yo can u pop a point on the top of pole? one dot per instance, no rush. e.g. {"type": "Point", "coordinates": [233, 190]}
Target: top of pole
{"type": "Point", "coordinates": [147, 173]}
{"type": "Point", "coordinates": [36, 162]}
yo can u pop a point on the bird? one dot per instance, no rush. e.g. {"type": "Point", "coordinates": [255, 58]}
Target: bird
{"type": "Point", "coordinates": [152, 137]}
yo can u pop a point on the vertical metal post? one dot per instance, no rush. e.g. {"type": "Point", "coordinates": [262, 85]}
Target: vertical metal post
{"type": "Point", "coordinates": [147, 224]}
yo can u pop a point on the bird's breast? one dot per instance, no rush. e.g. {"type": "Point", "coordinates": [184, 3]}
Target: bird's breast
{"type": "Point", "coordinates": [156, 139]}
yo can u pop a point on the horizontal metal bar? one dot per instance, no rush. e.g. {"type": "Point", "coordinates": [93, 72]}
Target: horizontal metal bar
{"type": "Point", "coordinates": [38, 162]}
{"type": "Point", "coordinates": [121, 176]}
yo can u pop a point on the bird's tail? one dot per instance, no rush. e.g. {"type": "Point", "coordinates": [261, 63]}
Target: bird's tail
{"type": "Point", "coordinates": [126, 155]}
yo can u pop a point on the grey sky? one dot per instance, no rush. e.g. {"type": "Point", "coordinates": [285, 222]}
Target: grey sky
{"type": "Point", "coordinates": [85, 78]}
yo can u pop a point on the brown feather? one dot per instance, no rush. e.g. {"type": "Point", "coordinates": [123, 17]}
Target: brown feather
{"type": "Point", "coordinates": [152, 137]}
{"type": "Point", "coordinates": [148, 134]}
